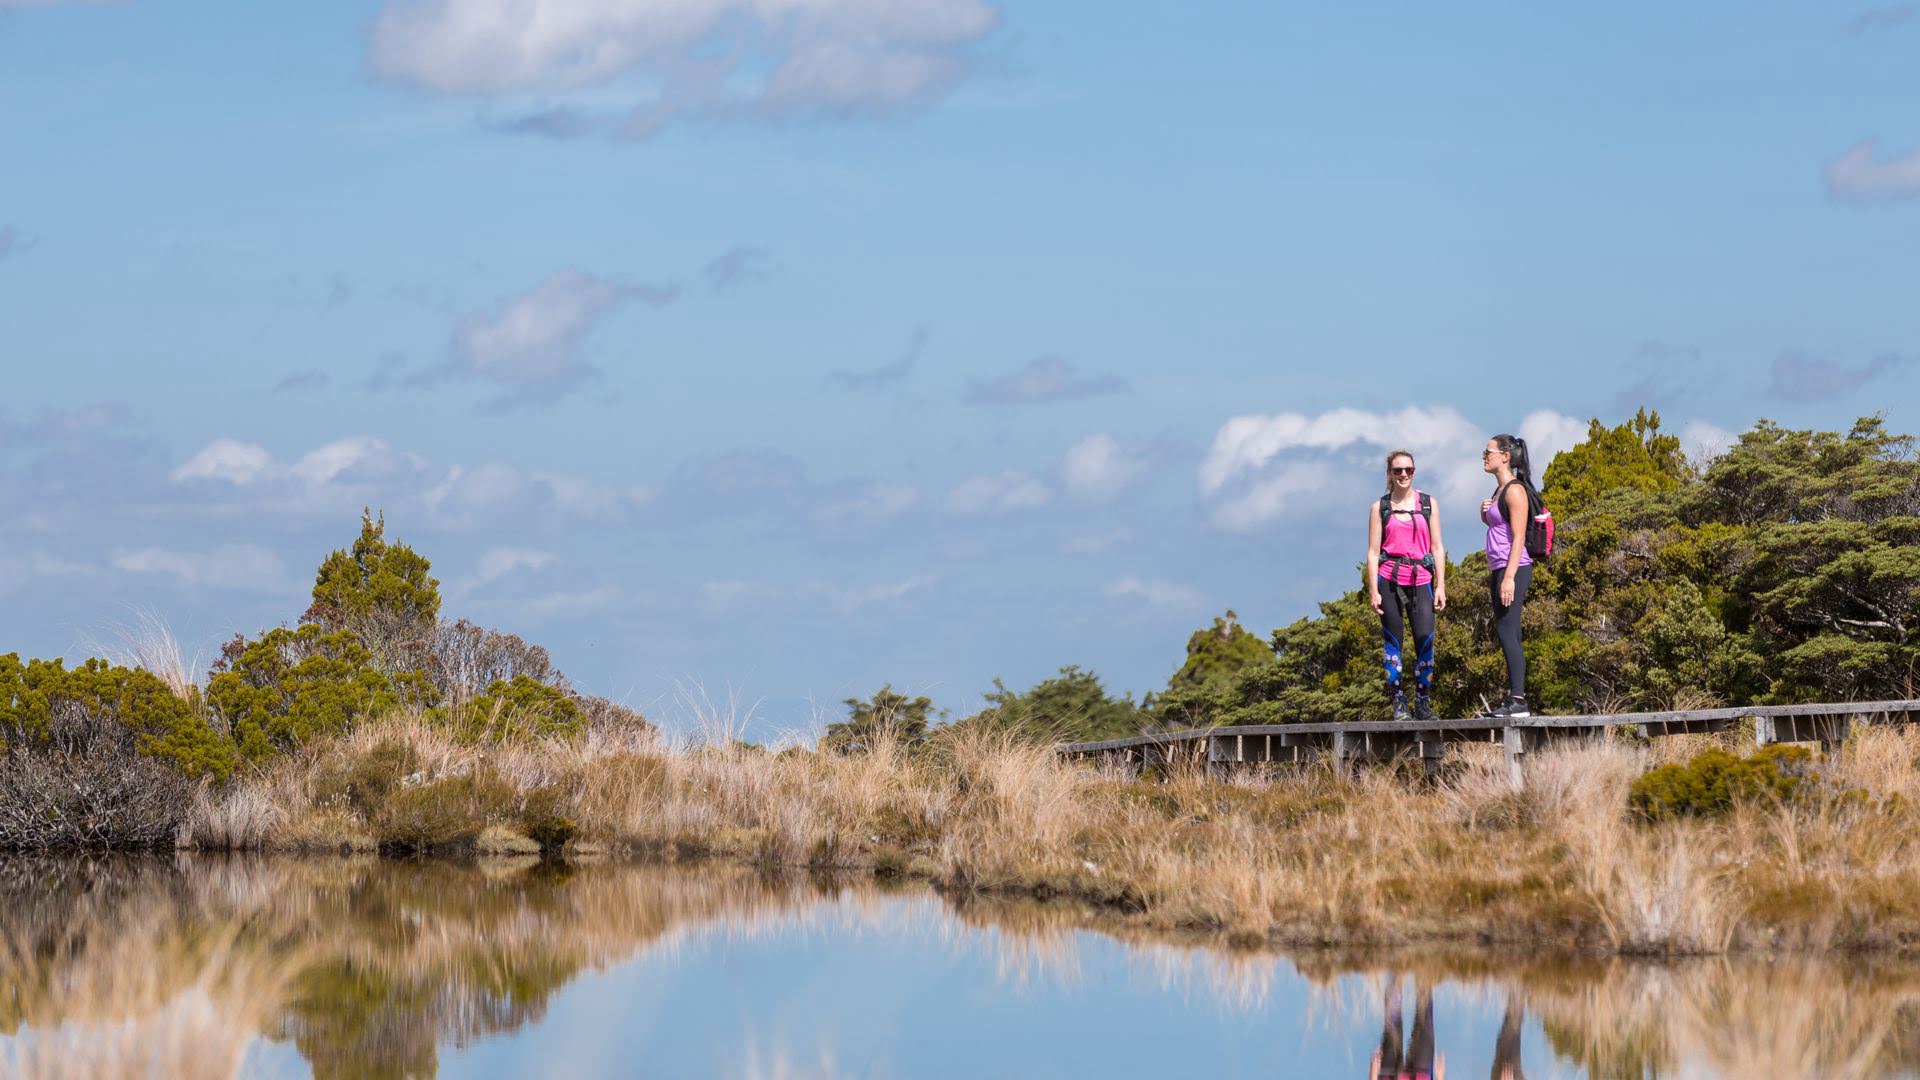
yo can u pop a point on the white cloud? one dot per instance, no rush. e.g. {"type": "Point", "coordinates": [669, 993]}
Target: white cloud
{"type": "Point", "coordinates": [659, 59]}
{"type": "Point", "coordinates": [1860, 176]}
{"type": "Point", "coordinates": [228, 460]}
{"type": "Point", "coordinates": [722, 595]}
{"type": "Point", "coordinates": [1702, 440]}
{"type": "Point", "coordinates": [574, 603]}
{"type": "Point", "coordinates": [852, 598]}
{"type": "Point", "coordinates": [1098, 467]}
{"type": "Point", "coordinates": [1259, 466]}
{"type": "Point", "coordinates": [1548, 433]}
{"type": "Point", "coordinates": [1094, 545]}
{"type": "Point", "coordinates": [21, 569]}
{"type": "Point", "coordinates": [496, 563]}
{"type": "Point", "coordinates": [233, 566]}
{"type": "Point", "coordinates": [1157, 593]}
{"type": "Point", "coordinates": [870, 502]}
{"type": "Point", "coordinates": [533, 340]}
{"type": "Point", "coordinates": [1269, 497]}
{"type": "Point", "coordinates": [1046, 379]}
{"type": "Point", "coordinates": [998, 493]}
{"type": "Point", "coordinates": [347, 474]}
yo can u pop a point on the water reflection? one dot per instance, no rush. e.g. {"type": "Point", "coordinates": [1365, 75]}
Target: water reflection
{"type": "Point", "coordinates": [217, 967]}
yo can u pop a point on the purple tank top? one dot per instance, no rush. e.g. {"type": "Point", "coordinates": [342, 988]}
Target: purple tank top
{"type": "Point", "coordinates": [1407, 537]}
{"type": "Point", "coordinates": [1500, 536]}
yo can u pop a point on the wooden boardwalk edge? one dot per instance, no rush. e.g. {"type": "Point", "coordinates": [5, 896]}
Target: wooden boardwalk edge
{"type": "Point", "coordinates": [1220, 747]}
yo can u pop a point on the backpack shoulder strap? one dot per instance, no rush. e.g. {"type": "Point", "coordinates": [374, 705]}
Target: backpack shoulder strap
{"type": "Point", "coordinates": [1386, 511]}
{"type": "Point", "coordinates": [1426, 508]}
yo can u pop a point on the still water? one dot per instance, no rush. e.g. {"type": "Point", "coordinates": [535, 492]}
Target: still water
{"type": "Point", "coordinates": [196, 966]}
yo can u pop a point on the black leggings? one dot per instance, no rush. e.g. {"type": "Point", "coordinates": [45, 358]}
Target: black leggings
{"type": "Point", "coordinates": [1506, 625]}
{"type": "Point", "coordinates": [1403, 608]}
{"type": "Point", "coordinates": [1417, 1055]}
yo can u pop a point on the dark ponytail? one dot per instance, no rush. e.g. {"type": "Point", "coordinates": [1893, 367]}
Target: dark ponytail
{"type": "Point", "coordinates": [1520, 464]}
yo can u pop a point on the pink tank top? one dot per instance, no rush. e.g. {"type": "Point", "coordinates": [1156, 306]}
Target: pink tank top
{"type": "Point", "coordinates": [1407, 537]}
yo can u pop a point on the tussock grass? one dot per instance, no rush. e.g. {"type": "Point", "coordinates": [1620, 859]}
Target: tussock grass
{"type": "Point", "coordinates": [1301, 857]}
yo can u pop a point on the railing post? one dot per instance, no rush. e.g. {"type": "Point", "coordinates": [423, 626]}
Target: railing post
{"type": "Point", "coordinates": [1763, 731]}
{"type": "Point", "coordinates": [1516, 750]}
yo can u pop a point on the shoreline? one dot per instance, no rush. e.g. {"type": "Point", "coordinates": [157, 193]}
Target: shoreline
{"type": "Point", "coordinates": [1296, 860]}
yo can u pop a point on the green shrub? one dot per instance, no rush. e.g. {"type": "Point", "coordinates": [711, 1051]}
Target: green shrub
{"type": "Point", "coordinates": [291, 685]}
{"type": "Point", "coordinates": [1714, 780]}
{"type": "Point", "coordinates": [375, 578]}
{"type": "Point", "coordinates": [159, 722]}
{"type": "Point", "coordinates": [519, 708]}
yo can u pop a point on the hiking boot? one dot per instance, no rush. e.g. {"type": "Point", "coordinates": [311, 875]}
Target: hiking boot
{"type": "Point", "coordinates": [1400, 706]}
{"type": "Point", "coordinates": [1515, 708]}
{"type": "Point", "coordinates": [1423, 708]}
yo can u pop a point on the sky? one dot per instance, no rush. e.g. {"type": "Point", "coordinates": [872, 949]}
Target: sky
{"type": "Point", "coordinates": [761, 352]}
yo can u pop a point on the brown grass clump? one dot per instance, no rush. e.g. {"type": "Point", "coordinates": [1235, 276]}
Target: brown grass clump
{"type": "Point", "coordinates": [1304, 856]}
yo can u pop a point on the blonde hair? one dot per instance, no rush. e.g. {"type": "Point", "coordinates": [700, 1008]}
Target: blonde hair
{"type": "Point", "coordinates": [1391, 455]}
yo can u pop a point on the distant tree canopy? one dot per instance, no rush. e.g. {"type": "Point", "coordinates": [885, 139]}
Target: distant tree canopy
{"type": "Point", "coordinates": [889, 712]}
{"type": "Point", "coordinates": [375, 578]}
{"type": "Point", "coordinates": [1072, 706]}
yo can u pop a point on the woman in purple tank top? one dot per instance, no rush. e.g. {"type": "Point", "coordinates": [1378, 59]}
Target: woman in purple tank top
{"type": "Point", "coordinates": [1511, 567]}
{"type": "Point", "coordinates": [1406, 582]}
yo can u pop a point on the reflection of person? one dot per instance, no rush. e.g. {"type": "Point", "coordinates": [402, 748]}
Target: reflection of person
{"type": "Point", "coordinates": [1506, 1049]}
{"type": "Point", "coordinates": [1406, 582]}
{"type": "Point", "coordinates": [1418, 1060]}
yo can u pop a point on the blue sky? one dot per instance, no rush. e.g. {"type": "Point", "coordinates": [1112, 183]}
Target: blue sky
{"type": "Point", "coordinates": [794, 346]}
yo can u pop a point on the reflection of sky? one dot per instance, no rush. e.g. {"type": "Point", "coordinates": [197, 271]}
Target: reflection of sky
{"type": "Point", "coordinates": [896, 993]}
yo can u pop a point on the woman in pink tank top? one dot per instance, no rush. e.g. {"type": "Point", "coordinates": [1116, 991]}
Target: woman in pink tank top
{"type": "Point", "coordinates": [1406, 582]}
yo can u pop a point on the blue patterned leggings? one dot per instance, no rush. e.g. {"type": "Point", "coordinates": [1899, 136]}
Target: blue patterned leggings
{"type": "Point", "coordinates": [1408, 608]}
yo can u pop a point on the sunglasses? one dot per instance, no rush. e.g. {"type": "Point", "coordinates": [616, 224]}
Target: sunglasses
{"type": "Point", "coordinates": [1404, 470]}
{"type": "Point", "coordinates": [1490, 453]}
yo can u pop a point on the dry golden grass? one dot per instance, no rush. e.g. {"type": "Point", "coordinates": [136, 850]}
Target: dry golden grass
{"type": "Point", "coordinates": [1298, 857]}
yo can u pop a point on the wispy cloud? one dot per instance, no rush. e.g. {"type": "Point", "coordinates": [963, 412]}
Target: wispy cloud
{"type": "Point", "coordinates": [998, 493]}
{"type": "Point", "coordinates": [1881, 19]}
{"type": "Point", "coordinates": [736, 266]}
{"type": "Point", "coordinates": [310, 379]}
{"type": "Point", "coordinates": [1099, 468]}
{"type": "Point", "coordinates": [1046, 379]}
{"type": "Point", "coordinates": [887, 374]}
{"type": "Point", "coordinates": [531, 344]}
{"type": "Point", "coordinates": [1861, 175]}
{"type": "Point", "coordinates": [847, 599]}
{"type": "Point", "coordinates": [1799, 376]}
{"type": "Point", "coordinates": [1157, 593]}
{"type": "Point", "coordinates": [245, 567]}
{"type": "Point", "coordinates": [629, 68]}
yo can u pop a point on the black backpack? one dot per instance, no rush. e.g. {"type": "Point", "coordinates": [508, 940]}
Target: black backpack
{"type": "Point", "coordinates": [1539, 537]}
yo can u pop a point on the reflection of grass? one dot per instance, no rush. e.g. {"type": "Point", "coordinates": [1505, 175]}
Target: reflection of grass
{"type": "Point", "coordinates": [1301, 858]}
{"type": "Point", "coordinates": [370, 966]}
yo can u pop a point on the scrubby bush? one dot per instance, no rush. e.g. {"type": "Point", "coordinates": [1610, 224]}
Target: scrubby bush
{"type": "Point", "coordinates": [890, 713]}
{"type": "Point", "coordinates": [157, 722]}
{"type": "Point", "coordinates": [290, 685]}
{"type": "Point", "coordinates": [1712, 781]}
{"type": "Point", "coordinates": [83, 781]}
{"type": "Point", "coordinates": [444, 813]}
{"type": "Point", "coordinates": [518, 708]}
{"type": "Point", "coordinates": [1070, 707]}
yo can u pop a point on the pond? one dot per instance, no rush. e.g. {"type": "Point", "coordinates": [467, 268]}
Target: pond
{"type": "Point", "coordinates": [208, 966]}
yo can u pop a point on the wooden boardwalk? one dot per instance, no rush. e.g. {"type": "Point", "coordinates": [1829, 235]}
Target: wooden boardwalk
{"type": "Point", "coordinates": [1222, 749]}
